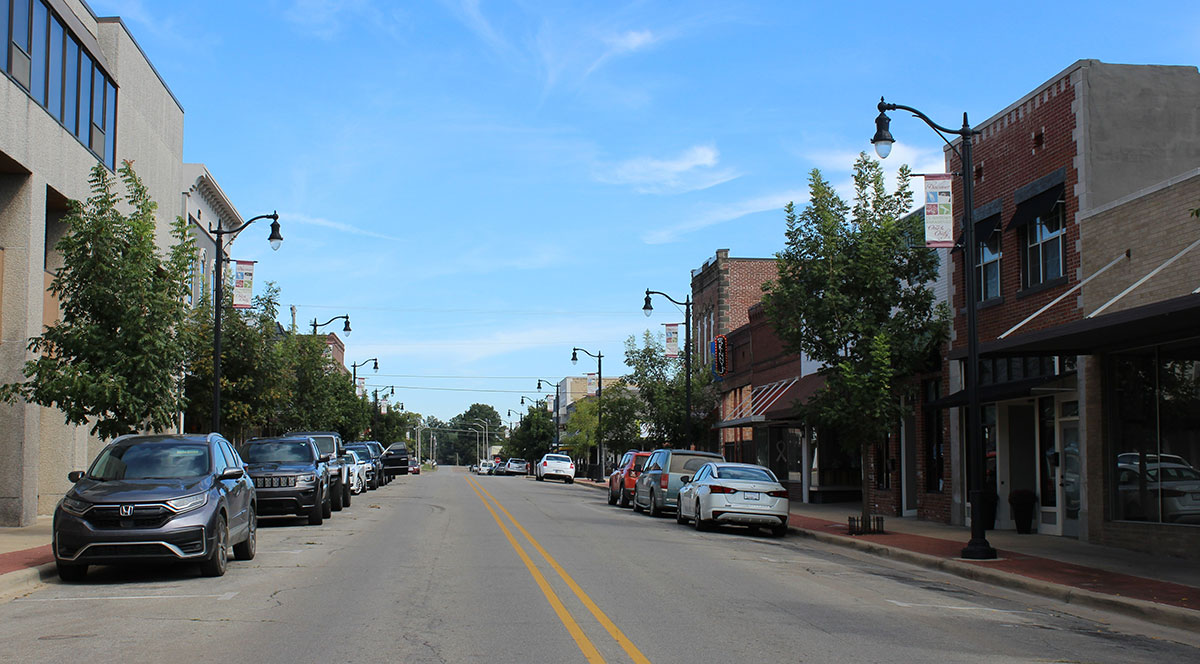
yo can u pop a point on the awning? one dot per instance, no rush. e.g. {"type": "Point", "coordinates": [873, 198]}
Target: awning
{"type": "Point", "coordinates": [985, 227]}
{"type": "Point", "coordinates": [772, 401]}
{"type": "Point", "coordinates": [1004, 391]}
{"type": "Point", "coordinates": [1036, 206]}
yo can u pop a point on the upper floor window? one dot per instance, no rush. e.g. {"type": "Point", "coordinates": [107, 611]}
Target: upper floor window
{"type": "Point", "coordinates": [987, 267]}
{"type": "Point", "coordinates": [1044, 248]}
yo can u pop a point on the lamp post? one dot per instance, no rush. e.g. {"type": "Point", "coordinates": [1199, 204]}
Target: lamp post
{"type": "Point", "coordinates": [219, 297]}
{"type": "Point", "coordinates": [978, 548]}
{"type": "Point", "coordinates": [485, 433]}
{"type": "Point", "coordinates": [539, 387]}
{"type": "Point", "coordinates": [687, 352]}
{"type": "Point", "coordinates": [375, 410]}
{"type": "Point", "coordinates": [345, 328]}
{"type": "Point", "coordinates": [599, 403]}
{"type": "Point", "coordinates": [355, 366]}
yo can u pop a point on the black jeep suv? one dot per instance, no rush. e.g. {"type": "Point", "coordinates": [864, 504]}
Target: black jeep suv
{"type": "Point", "coordinates": [330, 445]}
{"type": "Point", "coordinates": [290, 477]}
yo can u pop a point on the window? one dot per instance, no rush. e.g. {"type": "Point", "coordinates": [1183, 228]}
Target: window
{"type": "Point", "coordinates": [987, 267]}
{"type": "Point", "coordinates": [37, 53]}
{"type": "Point", "coordinates": [71, 85]}
{"type": "Point", "coordinates": [4, 10]}
{"type": "Point", "coordinates": [19, 61]}
{"type": "Point", "coordinates": [1043, 259]}
{"type": "Point", "coordinates": [55, 90]}
{"type": "Point", "coordinates": [85, 98]}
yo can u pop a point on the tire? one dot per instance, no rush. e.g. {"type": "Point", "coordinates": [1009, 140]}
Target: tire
{"type": "Point", "coordinates": [335, 498]}
{"type": "Point", "coordinates": [701, 524]}
{"type": "Point", "coordinates": [680, 518]}
{"type": "Point", "coordinates": [624, 500]}
{"type": "Point", "coordinates": [779, 531]}
{"type": "Point", "coordinates": [346, 496]}
{"type": "Point", "coordinates": [327, 505]}
{"type": "Point", "coordinates": [653, 509]}
{"type": "Point", "coordinates": [246, 549]}
{"type": "Point", "coordinates": [570, 480]}
{"type": "Point", "coordinates": [636, 506]}
{"type": "Point", "coordinates": [71, 572]}
{"type": "Point", "coordinates": [218, 559]}
{"type": "Point", "coordinates": [540, 478]}
{"type": "Point", "coordinates": [612, 497]}
{"type": "Point", "coordinates": [316, 515]}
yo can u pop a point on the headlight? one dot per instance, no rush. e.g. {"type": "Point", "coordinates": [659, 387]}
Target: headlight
{"type": "Point", "coordinates": [306, 479]}
{"type": "Point", "coordinates": [188, 503]}
{"type": "Point", "coordinates": [75, 506]}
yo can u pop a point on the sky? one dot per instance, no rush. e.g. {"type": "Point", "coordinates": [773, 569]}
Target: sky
{"type": "Point", "coordinates": [484, 185]}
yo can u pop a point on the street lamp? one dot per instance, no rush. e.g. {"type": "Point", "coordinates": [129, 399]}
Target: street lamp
{"type": "Point", "coordinates": [485, 433]}
{"type": "Point", "coordinates": [687, 351]}
{"type": "Point", "coordinates": [599, 403]}
{"type": "Point", "coordinates": [978, 548]}
{"type": "Point", "coordinates": [219, 296]}
{"type": "Point", "coordinates": [354, 367]}
{"type": "Point", "coordinates": [345, 328]}
{"type": "Point", "coordinates": [539, 387]}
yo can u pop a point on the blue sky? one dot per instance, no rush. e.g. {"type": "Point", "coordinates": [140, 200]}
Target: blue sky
{"type": "Point", "coordinates": [483, 185]}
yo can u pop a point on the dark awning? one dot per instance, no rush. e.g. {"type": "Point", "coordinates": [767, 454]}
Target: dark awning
{"type": "Point", "coordinates": [992, 393]}
{"type": "Point", "coordinates": [1036, 206]}
{"type": "Point", "coordinates": [985, 227]}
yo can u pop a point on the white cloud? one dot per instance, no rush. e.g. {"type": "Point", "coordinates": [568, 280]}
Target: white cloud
{"type": "Point", "coordinates": [691, 170]}
{"type": "Point", "coordinates": [719, 214]}
{"type": "Point", "coordinates": [624, 43]}
{"type": "Point", "coordinates": [293, 217]}
{"type": "Point", "coordinates": [471, 16]}
{"type": "Point", "coordinates": [837, 167]}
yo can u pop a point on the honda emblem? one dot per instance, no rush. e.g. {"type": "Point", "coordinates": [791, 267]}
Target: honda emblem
{"type": "Point", "coordinates": [126, 510]}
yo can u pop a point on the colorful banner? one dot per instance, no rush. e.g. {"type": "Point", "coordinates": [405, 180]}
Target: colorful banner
{"type": "Point", "coordinates": [591, 385]}
{"type": "Point", "coordinates": [939, 211]}
{"type": "Point", "coordinates": [672, 339]}
{"type": "Point", "coordinates": [243, 284]}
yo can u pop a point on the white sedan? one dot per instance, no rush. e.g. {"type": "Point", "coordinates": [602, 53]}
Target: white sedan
{"type": "Point", "coordinates": [735, 493]}
{"type": "Point", "coordinates": [358, 472]}
{"type": "Point", "coordinates": [555, 465]}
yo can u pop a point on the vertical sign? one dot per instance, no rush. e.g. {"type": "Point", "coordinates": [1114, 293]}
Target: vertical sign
{"type": "Point", "coordinates": [672, 346]}
{"type": "Point", "coordinates": [591, 385]}
{"type": "Point", "coordinates": [720, 355]}
{"type": "Point", "coordinates": [243, 284]}
{"type": "Point", "coordinates": [939, 211]}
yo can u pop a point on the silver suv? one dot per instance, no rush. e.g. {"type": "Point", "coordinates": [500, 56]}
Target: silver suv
{"type": "Point", "coordinates": [657, 488]}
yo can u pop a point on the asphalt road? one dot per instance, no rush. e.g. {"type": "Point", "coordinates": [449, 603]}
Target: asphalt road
{"type": "Point", "coordinates": [447, 567]}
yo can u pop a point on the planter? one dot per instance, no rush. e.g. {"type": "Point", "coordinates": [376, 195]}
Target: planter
{"type": "Point", "coordinates": [1023, 503]}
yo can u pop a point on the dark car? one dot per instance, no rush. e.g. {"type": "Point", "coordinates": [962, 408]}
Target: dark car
{"type": "Point", "coordinates": [414, 466]}
{"type": "Point", "coordinates": [330, 444]}
{"type": "Point", "coordinates": [157, 497]}
{"type": "Point", "coordinates": [367, 453]}
{"type": "Point", "coordinates": [395, 460]}
{"type": "Point", "coordinates": [377, 450]}
{"type": "Point", "coordinates": [289, 477]}
{"type": "Point", "coordinates": [657, 489]}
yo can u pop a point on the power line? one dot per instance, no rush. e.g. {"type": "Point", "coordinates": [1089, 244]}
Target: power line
{"type": "Point", "coordinates": [427, 310]}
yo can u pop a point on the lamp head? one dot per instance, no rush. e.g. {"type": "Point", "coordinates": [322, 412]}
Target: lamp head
{"type": "Point", "coordinates": [346, 327]}
{"type": "Point", "coordinates": [647, 308]}
{"type": "Point", "coordinates": [539, 384]}
{"type": "Point", "coordinates": [375, 366]}
{"type": "Point", "coordinates": [883, 136]}
{"type": "Point", "coordinates": [574, 358]}
{"type": "Point", "coordinates": [275, 238]}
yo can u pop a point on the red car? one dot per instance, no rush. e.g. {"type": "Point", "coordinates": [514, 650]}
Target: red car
{"type": "Point", "coordinates": [621, 481]}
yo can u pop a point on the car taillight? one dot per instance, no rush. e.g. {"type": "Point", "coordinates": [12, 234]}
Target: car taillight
{"type": "Point", "coordinates": [572, 466]}
{"type": "Point", "coordinates": [545, 463]}
{"type": "Point", "coordinates": [664, 480]}
{"type": "Point", "coordinates": [717, 488]}
{"type": "Point", "coordinates": [778, 494]}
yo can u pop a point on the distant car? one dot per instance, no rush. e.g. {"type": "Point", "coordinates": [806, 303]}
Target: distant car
{"type": "Point", "coordinates": [516, 467]}
{"type": "Point", "coordinates": [737, 493]}
{"type": "Point", "coordinates": [414, 466]}
{"type": "Point", "coordinates": [1175, 486]}
{"type": "Point", "coordinates": [395, 460]}
{"type": "Point", "coordinates": [289, 477]}
{"type": "Point", "coordinates": [157, 497]}
{"type": "Point", "coordinates": [331, 446]}
{"type": "Point", "coordinates": [367, 454]}
{"type": "Point", "coordinates": [377, 450]}
{"type": "Point", "coordinates": [555, 466]}
{"type": "Point", "coordinates": [657, 489]}
{"type": "Point", "coordinates": [358, 471]}
{"type": "Point", "coordinates": [622, 480]}
{"type": "Point", "coordinates": [497, 468]}
{"type": "Point", "coordinates": [484, 468]}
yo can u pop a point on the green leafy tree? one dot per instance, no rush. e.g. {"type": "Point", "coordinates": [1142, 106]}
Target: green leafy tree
{"type": "Point", "coordinates": [461, 444]}
{"type": "Point", "coordinates": [580, 437]}
{"type": "Point", "coordinates": [661, 383]}
{"type": "Point", "coordinates": [116, 355]}
{"type": "Point", "coordinates": [623, 408]}
{"type": "Point", "coordinates": [534, 436]}
{"type": "Point", "coordinates": [853, 294]}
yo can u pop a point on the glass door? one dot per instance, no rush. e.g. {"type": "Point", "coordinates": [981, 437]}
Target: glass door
{"type": "Point", "coordinates": [1072, 466]}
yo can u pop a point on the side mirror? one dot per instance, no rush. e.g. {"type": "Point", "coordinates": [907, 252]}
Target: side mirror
{"type": "Point", "coordinates": [74, 476]}
{"type": "Point", "coordinates": [685, 479]}
{"type": "Point", "coordinates": [326, 457]}
{"type": "Point", "coordinates": [232, 473]}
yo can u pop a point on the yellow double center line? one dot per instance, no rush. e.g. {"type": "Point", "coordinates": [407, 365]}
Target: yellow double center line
{"type": "Point", "coordinates": [585, 645]}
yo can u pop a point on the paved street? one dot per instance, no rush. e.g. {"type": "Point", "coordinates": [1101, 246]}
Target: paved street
{"type": "Point", "coordinates": [450, 567]}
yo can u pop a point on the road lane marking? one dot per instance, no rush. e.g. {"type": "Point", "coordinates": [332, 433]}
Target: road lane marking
{"type": "Point", "coordinates": [219, 598]}
{"type": "Point", "coordinates": [585, 645]}
{"type": "Point", "coordinates": [953, 608]}
{"type": "Point", "coordinates": [613, 631]}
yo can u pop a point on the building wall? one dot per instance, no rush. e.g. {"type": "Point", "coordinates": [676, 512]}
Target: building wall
{"type": "Point", "coordinates": [723, 290]}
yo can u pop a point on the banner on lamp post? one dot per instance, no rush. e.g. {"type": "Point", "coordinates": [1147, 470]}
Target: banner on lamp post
{"type": "Point", "coordinates": [939, 211]}
{"type": "Point", "coordinates": [591, 385]}
{"type": "Point", "coordinates": [672, 345]}
{"type": "Point", "coordinates": [243, 284]}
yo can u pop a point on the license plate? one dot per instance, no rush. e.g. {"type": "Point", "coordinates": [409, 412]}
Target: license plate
{"type": "Point", "coordinates": [750, 495]}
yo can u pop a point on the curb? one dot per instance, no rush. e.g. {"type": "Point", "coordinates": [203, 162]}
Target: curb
{"type": "Point", "coordinates": [22, 580]}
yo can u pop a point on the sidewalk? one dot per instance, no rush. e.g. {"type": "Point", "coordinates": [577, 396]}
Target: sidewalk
{"type": "Point", "coordinates": [1163, 590]}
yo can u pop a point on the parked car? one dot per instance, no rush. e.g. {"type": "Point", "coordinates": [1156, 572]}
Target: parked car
{"type": "Point", "coordinates": [657, 489]}
{"type": "Point", "coordinates": [497, 468]}
{"type": "Point", "coordinates": [395, 460]}
{"type": "Point", "coordinates": [555, 465]}
{"type": "Point", "coordinates": [360, 470]}
{"type": "Point", "coordinates": [289, 477]}
{"type": "Point", "coordinates": [414, 466]}
{"type": "Point", "coordinates": [368, 455]}
{"type": "Point", "coordinates": [330, 444]}
{"type": "Point", "coordinates": [157, 497]}
{"type": "Point", "coordinates": [1178, 484]}
{"type": "Point", "coordinates": [1131, 458]}
{"type": "Point", "coordinates": [738, 493]}
{"type": "Point", "coordinates": [622, 480]}
{"type": "Point", "coordinates": [516, 467]}
{"type": "Point", "coordinates": [484, 468]}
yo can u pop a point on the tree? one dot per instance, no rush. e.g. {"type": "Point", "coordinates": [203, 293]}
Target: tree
{"type": "Point", "coordinates": [853, 294]}
{"type": "Point", "coordinates": [534, 436]}
{"type": "Point", "coordinates": [461, 444]}
{"type": "Point", "coordinates": [116, 355]}
{"type": "Point", "coordinates": [661, 383]}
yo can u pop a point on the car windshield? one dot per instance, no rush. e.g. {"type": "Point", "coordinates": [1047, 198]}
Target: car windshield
{"type": "Point", "coordinates": [743, 473]}
{"type": "Point", "coordinates": [151, 460]}
{"type": "Point", "coordinates": [325, 443]}
{"type": "Point", "coordinates": [639, 463]}
{"type": "Point", "coordinates": [681, 463]}
{"type": "Point", "coordinates": [278, 452]}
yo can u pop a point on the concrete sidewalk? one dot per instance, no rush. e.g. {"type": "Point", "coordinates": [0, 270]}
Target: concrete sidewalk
{"type": "Point", "coordinates": [1160, 589]}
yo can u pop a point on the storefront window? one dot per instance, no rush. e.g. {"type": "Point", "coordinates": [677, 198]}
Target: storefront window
{"type": "Point", "coordinates": [1050, 460]}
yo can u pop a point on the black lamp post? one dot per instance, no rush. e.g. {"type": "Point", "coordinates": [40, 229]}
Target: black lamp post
{"type": "Point", "coordinates": [599, 403]}
{"type": "Point", "coordinates": [978, 548]}
{"type": "Point", "coordinates": [219, 296]}
{"type": "Point", "coordinates": [345, 328]}
{"type": "Point", "coordinates": [687, 352]}
{"type": "Point", "coordinates": [355, 366]}
{"type": "Point", "coordinates": [539, 387]}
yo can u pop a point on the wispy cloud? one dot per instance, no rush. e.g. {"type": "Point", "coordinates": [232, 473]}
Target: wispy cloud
{"type": "Point", "coordinates": [471, 16]}
{"type": "Point", "coordinates": [326, 19]}
{"type": "Point", "coordinates": [692, 170]}
{"type": "Point", "coordinates": [622, 43]}
{"type": "Point", "coordinates": [491, 259]}
{"type": "Point", "coordinates": [719, 214]}
{"type": "Point", "coordinates": [293, 217]}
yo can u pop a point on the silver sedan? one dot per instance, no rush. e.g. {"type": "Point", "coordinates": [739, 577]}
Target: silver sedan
{"type": "Point", "coordinates": [734, 493]}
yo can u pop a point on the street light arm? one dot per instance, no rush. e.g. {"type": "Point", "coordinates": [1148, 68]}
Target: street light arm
{"type": "Point", "coordinates": [345, 328]}
{"type": "Point", "coordinates": [687, 302]}
{"type": "Point", "coordinates": [597, 355]}
{"type": "Point", "coordinates": [274, 216]}
{"type": "Point", "coordinates": [966, 130]}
